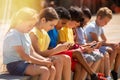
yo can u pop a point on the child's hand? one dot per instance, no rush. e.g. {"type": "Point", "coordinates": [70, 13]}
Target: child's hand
{"type": "Point", "coordinates": [53, 58]}
{"type": "Point", "coordinates": [99, 44]}
{"type": "Point", "coordinates": [93, 42]}
{"type": "Point", "coordinates": [64, 46]}
{"type": "Point", "coordinates": [114, 45]}
{"type": "Point", "coordinates": [88, 49]}
{"type": "Point", "coordinates": [68, 45]}
{"type": "Point", "coordinates": [74, 46]}
{"type": "Point", "coordinates": [47, 62]}
{"type": "Point", "coordinates": [118, 46]}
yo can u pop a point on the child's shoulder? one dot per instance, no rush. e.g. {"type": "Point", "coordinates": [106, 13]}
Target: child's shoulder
{"type": "Point", "coordinates": [13, 32]}
{"type": "Point", "coordinates": [91, 24]}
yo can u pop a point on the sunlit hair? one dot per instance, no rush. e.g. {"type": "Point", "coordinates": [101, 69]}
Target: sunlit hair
{"type": "Point", "coordinates": [48, 13]}
{"type": "Point", "coordinates": [104, 12]}
{"type": "Point", "coordinates": [24, 14]}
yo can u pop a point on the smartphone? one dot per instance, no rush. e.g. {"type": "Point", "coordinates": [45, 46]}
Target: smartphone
{"type": "Point", "coordinates": [93, 45]}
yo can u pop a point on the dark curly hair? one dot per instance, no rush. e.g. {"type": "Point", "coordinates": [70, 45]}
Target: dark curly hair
{"type": "Point", "coordinates": [76, 14]}
{"type": "Point", "coordinates": [63, 13]}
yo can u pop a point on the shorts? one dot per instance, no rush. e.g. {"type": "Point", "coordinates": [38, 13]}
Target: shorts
{"type": "Point", "coordinates": [103, 49]}
{"type": "Point", "coordinates": [94, 56]}
{"type": "Point", "coordinates": [89, 58]}
{"type": "Point", "coordinates": [97, 55]}
{"type": "Point", "coordinates": [17, 68]}
{"type": "Point", "coordinates": [69, 53]}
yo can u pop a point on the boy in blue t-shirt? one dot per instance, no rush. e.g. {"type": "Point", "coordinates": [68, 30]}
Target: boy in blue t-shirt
{"type": "Point", "coordinates": [94, 31]}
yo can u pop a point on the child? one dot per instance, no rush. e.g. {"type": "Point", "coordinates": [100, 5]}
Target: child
{"type": "Point", "coordinates": [82, 39]}
{"type": "Point", "coordinates": [48, 18]}
{"type": "Point", "coordinates": [81, 35]}
{"type": "Point", "coordinates": [64, 14]}
{"type": "Point", "coordinates": [17, 51]}
{"type": "Point", "coordinates": [94, 30]}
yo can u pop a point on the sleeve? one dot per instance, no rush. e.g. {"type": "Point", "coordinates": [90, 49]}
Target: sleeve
{"type": "Point", "coordinates": [91, 28]}
{"type": "Point", "coordinates": [62, 37]}
{"type": "Point", "coordinates": [79, 35]}
{"type": "Point", "coordinates": [14, 40]}
{"type": "Point", "coordinates": [53, 41]}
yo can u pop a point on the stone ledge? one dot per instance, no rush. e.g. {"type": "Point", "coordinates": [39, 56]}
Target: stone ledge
{"type": "Point", "coordinates": [7, 76]}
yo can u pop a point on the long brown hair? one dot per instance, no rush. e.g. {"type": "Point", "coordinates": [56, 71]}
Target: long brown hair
{"type": "Point", "coordinates": [48, 13]}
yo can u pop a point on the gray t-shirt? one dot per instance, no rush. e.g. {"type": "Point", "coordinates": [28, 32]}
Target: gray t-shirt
{"type": "Point", "coordinates": [15, 38]}
{"type": "Point", "coordinates": [93, 27]}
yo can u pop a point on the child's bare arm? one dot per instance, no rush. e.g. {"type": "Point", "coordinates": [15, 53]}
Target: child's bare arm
{"type": "Point", "coordinates": [94, 36]}
{"type": "Point", "coordinates": [103, 37]}
{"type": "Point", "coordinates": [31, 59]}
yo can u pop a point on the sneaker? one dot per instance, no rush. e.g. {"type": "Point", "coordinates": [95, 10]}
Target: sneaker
{"type": "Point", "coordinates": [114, 75]}
{"type": "Point", "coordinates": [102, 78]}
{"type": "Point", "coordinates": [94, 77]}
{"type": "Point", "coordinates": [100, 74]}
{"type": "Point", "coordinates": [109, 78]}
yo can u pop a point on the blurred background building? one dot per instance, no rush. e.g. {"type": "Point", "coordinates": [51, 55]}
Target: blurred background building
{"type": "Point", "coordinates": [94, 5]}
{"type": "Point", "coordinates": [9, 7]}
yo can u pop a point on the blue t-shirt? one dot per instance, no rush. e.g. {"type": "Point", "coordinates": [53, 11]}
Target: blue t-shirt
{"type": "Point", "coordinates": [93, 27]}
{"type": "Point", "coordinates": [53, 34]}
{"type": "Point", "coordinates": [81, 36]}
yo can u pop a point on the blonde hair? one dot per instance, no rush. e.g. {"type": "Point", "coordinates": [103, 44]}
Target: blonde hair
{"type": "Point", "coordinates": [104, 12]}
{"type": "Point", "coordinates": [23, 15]}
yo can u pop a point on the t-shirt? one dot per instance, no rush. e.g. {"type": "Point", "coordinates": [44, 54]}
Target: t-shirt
{"type": "Point", "coordinates": [93, 27]}
{"type": "Point", "coordinates": [43, 38]}
{"type": "Point", "coordinates": [15, 38]}
{"type": "Point", "coordinates": [66, 35]}
{"type": "Point", "coordinates": [53, 34]}
{"type": "Point", "coordinates": [81, 36]}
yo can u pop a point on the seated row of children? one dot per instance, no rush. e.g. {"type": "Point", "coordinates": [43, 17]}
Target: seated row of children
{"type": "Point", "coordinates": [53, 42]}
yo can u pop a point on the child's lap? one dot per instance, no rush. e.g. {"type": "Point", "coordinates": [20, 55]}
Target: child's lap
{"type": "Point", "coordinates": [104, 49]}
{"type": "Point", "coordinates": [88, 57]}
{"type": "Point", "coordinates": [17, 68]}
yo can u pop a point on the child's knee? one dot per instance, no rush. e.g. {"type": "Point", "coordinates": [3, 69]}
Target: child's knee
{"type": "Point", "coordinates": [106, 55]}
{"type": "Point", "coordinates": [77, 53]}
{"type": "Point", "coordinates": [52, 70]}
{"type": "Point", "coordinates": [58, 61]}
{"type": "Point", "coordinates": [102, 59]}
{"type": "Point", "coordinates": [45, 70]}
{"type": "Point", "coordinates": [67, 59]}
